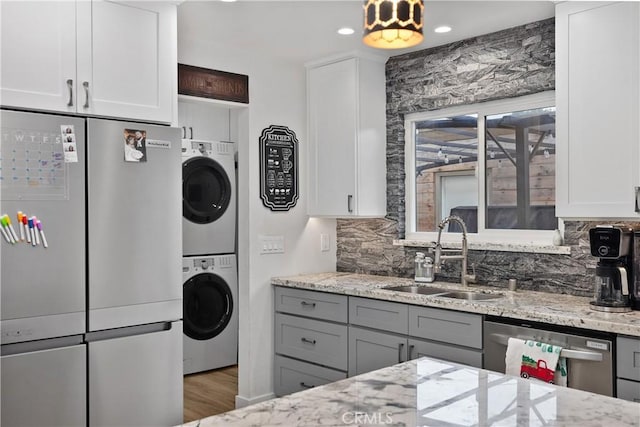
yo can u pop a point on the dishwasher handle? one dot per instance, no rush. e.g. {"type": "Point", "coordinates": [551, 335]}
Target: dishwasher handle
{"type": "Point", "coordinates": [566, 353]}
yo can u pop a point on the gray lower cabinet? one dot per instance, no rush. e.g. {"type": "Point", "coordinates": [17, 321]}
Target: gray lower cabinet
{"type": "Point", "coordinates": [294, 375]}
{"type": "Point", "coordinates": [310, 339]}
{"type": "Point", "coordinates": [322, 337]}
{"type": "Point", "coordinates": [412, 332]}
{"type": "Point", "coordinates": [371, 350]}
{"type": "Point", "coordinates": [628, 368]}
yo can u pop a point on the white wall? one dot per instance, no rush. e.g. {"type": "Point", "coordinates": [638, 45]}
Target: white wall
{"type": "Point", "coordinates": [276, 97]}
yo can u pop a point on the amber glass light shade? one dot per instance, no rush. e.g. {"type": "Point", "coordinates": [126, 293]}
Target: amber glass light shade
{"type": "Point", "coordinates": [393, 24]}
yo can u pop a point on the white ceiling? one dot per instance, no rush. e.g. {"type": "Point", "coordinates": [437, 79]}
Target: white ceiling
{"type": "Point", "coordinates": [302, 30]}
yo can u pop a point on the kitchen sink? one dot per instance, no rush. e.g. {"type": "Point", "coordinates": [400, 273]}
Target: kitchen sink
{"type": "Point", "coordinates": [416, 289]}
{"type": "Point", "coordinates": [471, 296]}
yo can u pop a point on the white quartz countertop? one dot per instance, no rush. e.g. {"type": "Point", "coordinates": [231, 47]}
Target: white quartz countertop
{"type": "Point", "coordinates": [428, 392]}
{"type": "Point", "coordinates": [557, 309]}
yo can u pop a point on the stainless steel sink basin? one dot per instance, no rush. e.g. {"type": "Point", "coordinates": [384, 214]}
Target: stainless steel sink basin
{"type": "Point", "coordinates": [414, 289]}
{"type": "Point", "coordinates": [471, 296]}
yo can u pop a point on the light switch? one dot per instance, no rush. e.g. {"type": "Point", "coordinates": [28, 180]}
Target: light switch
{"type": "Point", "coordinates": [324, 242]}
{"type": "Point", "coordinates": [271, 244]}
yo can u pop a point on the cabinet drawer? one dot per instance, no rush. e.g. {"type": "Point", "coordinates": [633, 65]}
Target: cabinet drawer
{"type": "Point", "coordinates": [446, 326]}
{"type": "Point", "coordinates": [384, 315]}
{"type": "Point", "coordinates": [293, 375]}
{"type": "Point", "coordinates": [320, 305]}
{"type": "Point", "coordinates": [628, 390]}
{"type": "Point", "coordinates": [311, 340]}
{"type": "Point", "coordinates": [628, 358]}
{"type": "Point", "coordinates": [465, 356]}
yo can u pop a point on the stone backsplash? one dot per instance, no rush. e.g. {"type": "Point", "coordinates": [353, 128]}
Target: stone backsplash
{"type": "Point", "coordinates": [366, 246]}
{"type": "Point", "coordinates": [508, 63]}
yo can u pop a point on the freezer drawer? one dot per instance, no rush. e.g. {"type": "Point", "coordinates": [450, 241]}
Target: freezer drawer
{"type": "Point", "coordinates": [136, 380]}
{"type": "Point", "coordinates": [45, 388]}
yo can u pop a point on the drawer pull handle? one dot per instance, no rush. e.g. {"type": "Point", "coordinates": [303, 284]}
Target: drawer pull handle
{"type": "Point", "coordinates": [308, 341]}
{"type": "Point", "coordinates": [308, 304]}
{"type": "Point", "coordinates": [302, 384]}
{"type": "Point", "coordinates": [400, 352]}
{"type": "Point", "coordinates": [411, 347]}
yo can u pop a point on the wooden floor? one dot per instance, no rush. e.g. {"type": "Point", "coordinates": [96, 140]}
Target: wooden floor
{"type": "Point", "coordinates": [210, 393]}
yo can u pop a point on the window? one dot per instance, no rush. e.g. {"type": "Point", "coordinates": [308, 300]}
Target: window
{"type": "Point", "coordinates": [492, 164]}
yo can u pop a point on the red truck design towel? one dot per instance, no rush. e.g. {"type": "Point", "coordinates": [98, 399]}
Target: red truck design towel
{"type": "Point", "coordinates": [533, 359]}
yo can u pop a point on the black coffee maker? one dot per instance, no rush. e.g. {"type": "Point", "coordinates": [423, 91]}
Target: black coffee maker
{"type": "Point", "coordinates": [614, 271]}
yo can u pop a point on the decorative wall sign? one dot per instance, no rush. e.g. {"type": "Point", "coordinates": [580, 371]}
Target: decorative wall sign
{"type": "Point", "coordinates": [278, 168]}
{"type": "Point", "coordinates": [206, 83]}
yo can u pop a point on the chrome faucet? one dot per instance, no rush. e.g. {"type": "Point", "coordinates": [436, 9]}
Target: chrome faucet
{"type": "Point", "coordinates": [465, 278]}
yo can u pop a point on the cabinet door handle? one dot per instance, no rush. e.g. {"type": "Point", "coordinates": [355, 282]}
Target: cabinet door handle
{"type": "Point", "coordinates": [70, 86]}
{"type": "Point", "coordinates": [400, 346]}
{"type": "Point", "coordinates": [411, 347]}
{"type": "Point", "coordinates": [302, 384]}
{"type": "Point", "coordinates": [637, 207]}
{"type": "Point", "coordinates": [308, 304]}
{"type": "Point", "coordinates": [308, 341]}
{"type": "Point", "coordinates": [349, 200]}
{"type": "Point", "coordinates": [85, 85]}
{"type": "Point", "coordinates": [184, 132]}
{"type": "Point", "coordinates": [191, 132]}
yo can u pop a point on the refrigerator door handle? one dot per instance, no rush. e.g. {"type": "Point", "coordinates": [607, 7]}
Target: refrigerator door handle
{"type": "Point", "coordinates": [128, 331]}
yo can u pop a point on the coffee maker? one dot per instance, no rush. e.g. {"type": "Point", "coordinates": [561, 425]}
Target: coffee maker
{"type": "Point", "coordinates": [615, 269]}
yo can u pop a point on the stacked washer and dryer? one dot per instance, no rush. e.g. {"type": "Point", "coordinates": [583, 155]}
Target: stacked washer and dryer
{"type": "Point", "coordinates": [209, 268]}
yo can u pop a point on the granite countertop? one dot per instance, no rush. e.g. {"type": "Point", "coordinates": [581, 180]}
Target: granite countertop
{"type": "Point", "coordinates": [433, 392]}
{"type": "Point", "coordinates": [557, 309]}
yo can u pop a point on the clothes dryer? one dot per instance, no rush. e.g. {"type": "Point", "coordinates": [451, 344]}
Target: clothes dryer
{"type": "Point", "coordinates": [208, 197]}
{"type": "Point", "coordinates": [210, 298]}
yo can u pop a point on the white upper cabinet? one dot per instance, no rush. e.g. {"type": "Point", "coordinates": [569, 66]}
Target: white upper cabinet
{"type": "Point", "coordinates": [598, 92]}
{"type": "Point", "coordinates": [347, 135]}
{"type": "Point", "coordinates": [99, 58]}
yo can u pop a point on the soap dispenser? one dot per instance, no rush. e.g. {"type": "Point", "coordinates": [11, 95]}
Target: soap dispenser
{"type": "Point", "coordinates": [423, 268]}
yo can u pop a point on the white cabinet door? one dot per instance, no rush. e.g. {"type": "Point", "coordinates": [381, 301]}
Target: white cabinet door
{"type": "Point", "coordinates": [126, 59]}
{"type": "Point", "coordinates": [347, 158]}
{"type": "Point", "coordinates": [98, 58]}
{"type": "Point", "coordinates": [598, 129]}
{"type": "Point", "coordinates": [38, 55]}
{"type": "Point", "coordinates": [333, 133]}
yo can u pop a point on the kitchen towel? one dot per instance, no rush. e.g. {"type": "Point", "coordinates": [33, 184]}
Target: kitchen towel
{"type": "Point", "coordinates": [533, 359]}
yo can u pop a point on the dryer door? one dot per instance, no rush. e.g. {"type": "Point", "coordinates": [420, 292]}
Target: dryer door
{"type": "Point", "coordinates": [208, 305]}
{"type": "Point", "coordinates": [206, 190]}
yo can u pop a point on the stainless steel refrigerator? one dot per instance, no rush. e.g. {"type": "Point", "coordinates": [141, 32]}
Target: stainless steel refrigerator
{"type": "Point", "coordinates": [91, 330]}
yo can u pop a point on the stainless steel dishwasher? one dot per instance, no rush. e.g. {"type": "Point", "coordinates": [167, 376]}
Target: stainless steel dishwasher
{"type": "Point", "coordinates": [589, 356]}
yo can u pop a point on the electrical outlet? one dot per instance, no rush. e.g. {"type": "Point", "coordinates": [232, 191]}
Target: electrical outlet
{"type": "Point", "coordinates": [324, 242]}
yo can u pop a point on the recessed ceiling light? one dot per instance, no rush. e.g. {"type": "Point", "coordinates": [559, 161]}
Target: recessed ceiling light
{"type": "Point", "coordinates": [346, 31]}
{"type": "Point", "coordinates": [228, 1]}
{"type": "Point", "coordinates": [443, 29]}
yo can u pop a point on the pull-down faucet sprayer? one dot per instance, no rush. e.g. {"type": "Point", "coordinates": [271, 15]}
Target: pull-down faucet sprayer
{"type": "Point", "coordinates": [439, 259]}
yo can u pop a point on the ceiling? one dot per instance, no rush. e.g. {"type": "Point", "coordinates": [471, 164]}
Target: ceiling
{"type": "Point", "coordinates": [301, 30]}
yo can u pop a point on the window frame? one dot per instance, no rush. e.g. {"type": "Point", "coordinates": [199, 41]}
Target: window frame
{"type": "Point", "coordinates": [484, 235]}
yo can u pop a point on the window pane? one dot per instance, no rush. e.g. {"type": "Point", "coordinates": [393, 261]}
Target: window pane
{"type": "Point", "coordinates": [520, 174]}
{"type": "Point", "coordinates": [446, 158]}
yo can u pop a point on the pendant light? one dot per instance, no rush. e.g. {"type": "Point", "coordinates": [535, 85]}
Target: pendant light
{"type": "Point", "coordinates": [393, 24]}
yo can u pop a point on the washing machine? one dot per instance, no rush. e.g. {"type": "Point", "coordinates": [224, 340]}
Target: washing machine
{"type": "Point", "coordinates": [210, 316]}
{"type": "Point", "coordinates": [208, 197]}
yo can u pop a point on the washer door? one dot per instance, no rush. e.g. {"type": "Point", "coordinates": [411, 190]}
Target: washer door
{"type": "Point", "coordinates": [206, 190]}
{"type": "Point", "coordinates": [207, 305]}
